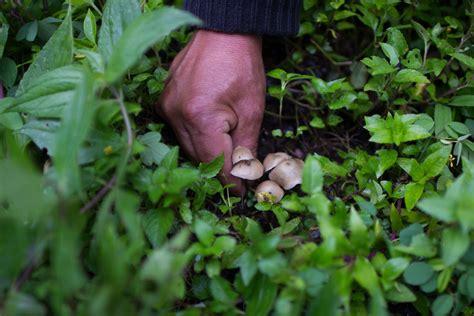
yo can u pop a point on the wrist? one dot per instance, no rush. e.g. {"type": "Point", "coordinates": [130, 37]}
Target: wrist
{"type": "Point", "coordinates": [230, 40]}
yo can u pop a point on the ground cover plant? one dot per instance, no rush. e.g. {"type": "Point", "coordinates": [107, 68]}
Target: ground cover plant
{"type": "Point", "coordinates": [100, 214]}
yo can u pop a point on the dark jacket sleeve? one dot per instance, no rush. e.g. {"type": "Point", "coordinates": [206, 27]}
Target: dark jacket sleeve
{"type": "Point", "coordinates": [264, 17]}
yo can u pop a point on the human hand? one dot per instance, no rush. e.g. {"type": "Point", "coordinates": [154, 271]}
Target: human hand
{"type": "Point", "coordinates": [214, 98]}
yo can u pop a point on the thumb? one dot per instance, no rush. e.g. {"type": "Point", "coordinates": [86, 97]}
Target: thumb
{"type": "Point", "coordinates": [209, 147]}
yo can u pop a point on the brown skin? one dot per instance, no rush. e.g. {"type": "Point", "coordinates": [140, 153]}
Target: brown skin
{"type": "Point", "coordinates": [214, 98]}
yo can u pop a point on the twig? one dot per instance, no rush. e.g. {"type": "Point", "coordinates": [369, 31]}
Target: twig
{"type": "Point", "coordinates": [1, 92]}
{"type": "Point", "coordinates": [26, 273]}
{"type": "Point", "coordinates": [98, 197]}
{"type": "Point", "coordinates": [285, 117]}
{"type": "Point", "coordinates": [45, 6]}
{"type": "Point", "coordinates": [335, 63]}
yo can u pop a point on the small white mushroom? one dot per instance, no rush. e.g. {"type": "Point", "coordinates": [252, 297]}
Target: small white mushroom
{"type": "Point", "coordinates": [269, 191]}
{"type": "Point", "coordinates": [288, 173]}
{"type": "Point", "coordinates": [272, 160]}
{"type": "Point", "coordinates": [248, 169]}
{"type": "Point", "coordinates": [241, 153]}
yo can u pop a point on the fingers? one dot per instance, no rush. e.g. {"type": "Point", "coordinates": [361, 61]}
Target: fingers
{"type": "Point", "coordinates": [209, 146]}
{"type": "Point", "coordinates": [247, 131]}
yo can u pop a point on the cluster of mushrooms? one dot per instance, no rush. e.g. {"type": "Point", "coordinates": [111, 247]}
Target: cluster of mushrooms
{"type": "Point", "coordinates": [285, 172]}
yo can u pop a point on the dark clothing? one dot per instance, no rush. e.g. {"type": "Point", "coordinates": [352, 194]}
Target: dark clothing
{"type": "Point", "coordinates": [263, 17]}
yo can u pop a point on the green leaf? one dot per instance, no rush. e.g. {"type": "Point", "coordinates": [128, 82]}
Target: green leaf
{"type": "Point", "coordinates": [155, 150]}
{"type": "Point", "coordinates": [418, 273]}
{"type": "Point", "coordinates": [397, 40]}
{"type": "Point", "coordinates": [42, 133]}
{"type": "Point", "coordinates": [8, 72]}
{"type": "Point", "coordinates": [117, 16]}
{"type": "Point", "coordinates": [391, 53]}
{"type": "Point", "coordinates": [420, 246]}
{"type": "Point", "coordinates": [462, 100]}
{"type": "Point", "coordinates": [13, 247]}
{"type": "Point", "coordinates": [137, 38]}
{"type": "Point", "coordinates": [442, 305]}
{"type": "Point", "coordinates": [273, 265]}
{"type": "Point", "coordinates": [344, 101]}
{"type": "Point", "coordinates": [395, 129]}
{"type": "Point", "coordinates": [248, 266]}
{"type": "Point", "coordinates": [157, 224]}
{"type": "Point", "coordinates": [56, 53]}
{"type": "Point", "coordinates": [465, 59]}
{"type": "Point", "coordinates": [442, 118]}
{"type": "Point", "coordinates": [261, 297]}
{"type": "Point", "coordinates": [387, 159]}
{"type": "Point", "coordinates": [410, 75]}
{"type": "Point", "coordinates": [90, 26]}
{"type": "Point", "coordinates": [434, 164]}
{"type": "Point", "coordinates": [77, 119]}
{"type": "Point", "coordinates": [400, 294]}
{"type": "Point", "coordinates": [3, 38]}
{"type": "Point", "coordinates": [378, 66]}
{"type": "Point", "coordinates": [454, 244]}
{"type": "Point", "coordinates": [48, 95]}
{"type": "Point", "coordinates": [211, 169]}
{"type": "Point", "coordinates": [359, 235]}
{"type": "Point", "coordinates": [312, 176]}
{"type": "Point", "coordinates": [422, 32]}
{"type": "Point", "coordinates": [222, 290]}
{"type": "Point", "coordinates": [413, 192]}
{"type": "Point", "coordinates": [204, 232]}
{"type": "Point", "coordinates": [394, 267]}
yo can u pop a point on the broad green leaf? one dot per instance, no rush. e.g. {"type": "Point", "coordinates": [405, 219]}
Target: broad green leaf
{"type": "Point", "coordinates": [77, 119]}
{"type": "Point", "coordinates": [397, 40]}
{"type": "Point", "coordinates": [436, 65]}
{"type": "Point", "coordinates": [157, 224]}
{"type": "Point", "coordinates": [465, 59]}
{"type": "Point", "coordinates": [90, 27]}
{"type": "Point", "coordinates": [262, 296]}
{"type": "Point", "coordinates": [420, 246]}
{"type": "Point", "coordinates": [359, 236]}
{"type": "Point", "coordinates": [273, 265]}
{"type": "Point", "coordinates": [56, 53]}
{"type": "Point", "coordinates": [137, 38]}
{"type": "Point", "coordinates": [395, 129]}
{"type": "Point", "coordinates": [42, 133]}
{"type": "Point", "coordinates": [410, 231]}
{"type": "Point", "coordinates": [400, 294]}
{"type": "Point", "coordinates": [413, 193]}
{"type": "Point", "coordinates": [454, 244]}
{"type": "Point", "coordinates": [248, 266]}
{"type": "Point", "coordinates": [442, 305]}
{"type": "Point", "coordinates": [222, 290]}
{"type": "Point", "coordinates": [387, 159]}
{"type": "Point", "coordinates": [13, 247]}
{"type": "Point", "coordinates": [434, 164]}
{"type": "Point", "coordinates": [8, 72]}
{"type": "Point", "coordinates": [344, 101]}
{"type": "Point", "coordinates": [394, 267]}
{"type": "Point", "coordinates": [117, 16]}
{"type": "Point", "coordinates": [418, 273]}
{"type": "Point", "coordinates": [155, 150]}
{"type": "Point", "coordinates": [462, 100]}
{"type": "Point", "coordinates": [391, 53]}
{"type": "Point", "coordinates": [442, 117]}
{"type": "Point", "coordinates": [211, 169]}
{"type": "Point", "coordinates": [48, 95]}
{"type": "Point", "coordinates": [378, 66]}
{"type": "Point", "coordinates": [312, 176]}
{"type": "Point", "coordinates": [422, 32]}
{"type": "Point", "coordinates": [410, 75]}
{"type": "Point", "coordinates": [204, 232]}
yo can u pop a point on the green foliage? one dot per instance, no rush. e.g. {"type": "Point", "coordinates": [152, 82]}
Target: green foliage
{"type": "Point", "coordinates": [100, 214]}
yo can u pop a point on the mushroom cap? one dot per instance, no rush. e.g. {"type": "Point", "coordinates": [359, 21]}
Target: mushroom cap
{"type": "Point", "coordinates": [241, 153]}
{"type": "Point", "coordinates": [288, 173]}
{"type": "Point", "coordinates": [248, 169]}
{"type": "Point", "coordinates": [269, 191]}
{"type": "Point", "coordinates": [272, 160]}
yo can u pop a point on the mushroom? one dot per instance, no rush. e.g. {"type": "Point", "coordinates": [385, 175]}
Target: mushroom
{"type": "Point", "coordinates": [241, 153]}
{"type": "Point", "coordinates": [269, 191]}
{"type": "Point", "coordinates": [272, 160]}
{"type": "Point", "coordinates": [288, 173]}
{"type": "Point", "coordinates": [248, 169]}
